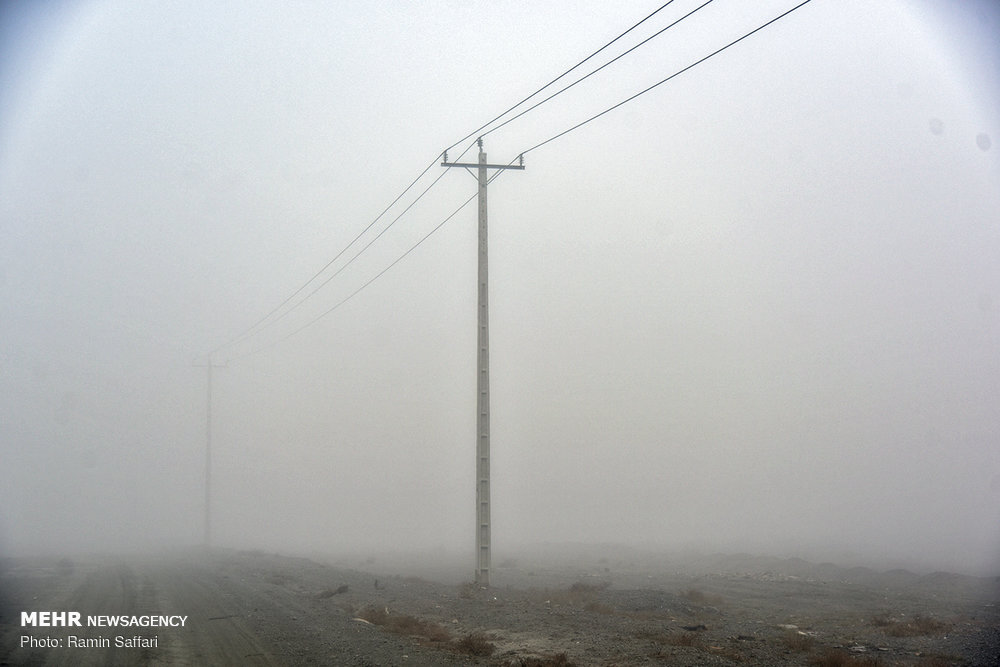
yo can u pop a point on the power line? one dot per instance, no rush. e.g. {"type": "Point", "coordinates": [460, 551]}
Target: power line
{"type": "Point", "coordinates": [256, 326]}
{"type": "Point", "coordinates": [267, 320]}
{"type": "Point", "coordinates": [358, 253]}
{"type": "Point", "coordinates": [660, 83]}
{"type": "Point", "coordinates": [260, 324]}
{"type": "Point", "coordinates": [482, 127]}
{"type": "Point", "coordinates": [366, 284]}
{"type": "Point", "coordinates": [373, 278]}
{"type": "Point", "coordinates": [587, 76]}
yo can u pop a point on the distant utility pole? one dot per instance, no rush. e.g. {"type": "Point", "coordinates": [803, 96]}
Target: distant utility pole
{"type": "Point", "coordinates": [207, 540]}
{"type": "Point", "coordinates": [483, 374]}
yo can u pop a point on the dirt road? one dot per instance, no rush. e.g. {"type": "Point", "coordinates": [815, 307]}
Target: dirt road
{"type": "Point", "coordinates": [249, 608]}
{"type": "Point", "coordinates": [240, 609]}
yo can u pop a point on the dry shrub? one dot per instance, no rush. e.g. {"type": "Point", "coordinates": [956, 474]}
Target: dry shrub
{"type": "Point", "coordinates": [374, 615]}
{"type": "Point", "coordinates": [920, 625]}
{"type": "Point", "coordinates": [698, 596]}
{"type": "Point", "coordinates": [693, 595]}
{"type": "Point", "coordinates": [405, 625]}
{"type": "Point", "coordinates": [475, 643]}
{"type": "Point", "coordinates": [646, 615]}
{"type": "Point", "coordinates": [683, 639]}
{"type": "Point", "coordinates": [277, 578]}
{"type": "Point", "coordinates": [467, 590]}
{"type": "Point", "coordinates": [672, 639]}
{"type": "Point", "coordinates": [835, 658]}
{"type": "Point", "coordinates": [578, 594]}
{"type": "Point", "coordinates": [329, 592]}
{"type": "Point", "coordinates": [927, 625]}
{"type": "Point", "coordinates": [598, 607]}
{"type": "Point", "coordinates": [585, 588]}
{"type": "Point", "coordinates": [940, 661]}
{"type": "Point", "coordinates": [556, 660]}
{"type": "Point", "coordinates": [728, 653]}
{"type": "Point", "coordinates": [796, 641]}
{"type": "Point", "coordinates": [882, 621]}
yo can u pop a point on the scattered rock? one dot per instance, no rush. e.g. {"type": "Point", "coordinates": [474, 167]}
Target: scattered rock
{"type": "Point", "coordinates": [329, 593]}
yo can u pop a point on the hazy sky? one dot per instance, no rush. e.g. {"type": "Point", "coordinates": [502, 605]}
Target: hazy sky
{"type": "Point", "coordinates": [758, 307]}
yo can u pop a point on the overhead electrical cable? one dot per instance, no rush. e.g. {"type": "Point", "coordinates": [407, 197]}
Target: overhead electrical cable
{"type": "Point", "coordinates": [260, 324]}
{"type": "Point", "coordinates": [367, 283]}
{"type": "Point", "coordinates": [255, 327]}
{"type": "Point", "coordinates": [660, 83]}
{"type": "Point", "coordinates": [376, 276]}
{"type": "Point", "coordinates": [484, 126]}
{"type": "Point", "coordinates": [587, 76]}
{"type": "Point", "coordinates": [359, 252]}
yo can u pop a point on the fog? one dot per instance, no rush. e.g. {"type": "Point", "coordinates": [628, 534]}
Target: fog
{"type": "Point", "coordinates": [756, 308]}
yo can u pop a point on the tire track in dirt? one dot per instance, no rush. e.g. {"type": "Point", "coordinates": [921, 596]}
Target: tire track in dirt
{"type": "Point", "coordinates": [215, 631]}
{"type": "Point", "coordinates": [241, 608]}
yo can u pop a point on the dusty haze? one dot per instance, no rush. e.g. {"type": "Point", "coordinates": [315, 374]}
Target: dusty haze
{"type": "Point", "coordinates": [756, 309]}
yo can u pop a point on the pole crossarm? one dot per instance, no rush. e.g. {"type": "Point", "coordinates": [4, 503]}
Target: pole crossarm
{"type": "Point", "coordinates": [476, 165]}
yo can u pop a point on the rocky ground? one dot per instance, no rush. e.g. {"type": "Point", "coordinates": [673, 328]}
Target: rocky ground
{"type": "Point", "coordinates": [256, 608]}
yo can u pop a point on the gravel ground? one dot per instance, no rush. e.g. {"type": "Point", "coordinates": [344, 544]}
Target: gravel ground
{"type": "Point", "coordinates": [247, 608]}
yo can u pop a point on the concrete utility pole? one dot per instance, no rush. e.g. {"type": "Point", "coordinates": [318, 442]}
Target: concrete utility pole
{"type": "Point", "coordinates": [483, 371]}
{"type": "Point", "coordinates": [207, 541]}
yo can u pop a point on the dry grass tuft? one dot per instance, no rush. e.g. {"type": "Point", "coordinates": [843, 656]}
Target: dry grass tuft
{"type": "Point", "coordinates": [918, 626]}
{"type": "Point", "coordinates": [940, 661]}
{"type": "Point", "coordinates": [697, 596]}
{"type": "Point", "coordinates": [882, 621]}
{"type": "Point", "coordinates": [467, 590]}
{"type": "Point", "coordinates": [402, 624]}
{"type": "Point", "coordinates": [598, 607]}
{"type": "Point", "coordinates": [579, 594]}
{"type": "Point", "coordinates": [835, 658]}
{"type": "Point", "coordinates": [683, 639]}
{"type": "Point", "coordinates": [475, 643]}
{"type": "Point", "coordinates": [796, 641]}
{"type": "Point", "coordinates": [671, 639]}
{"type": "Point", "coordinates": [277, 578]}
{"type": "Point", "coordinates": [584, 588]}
{"type": "Point", "coordinates": [329, 592]}
{"type": "Point", "coordinates": [728, 653]}
{"type": "Point", "coordinates": [557, 660]}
